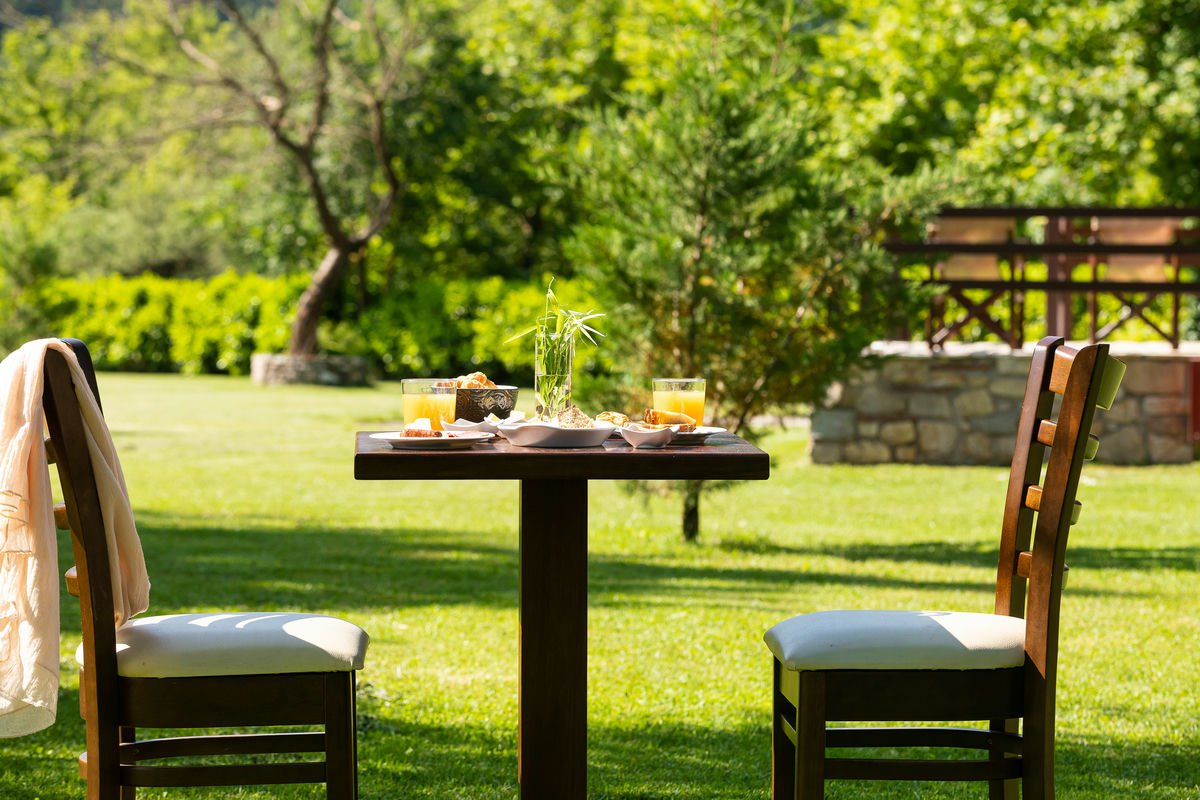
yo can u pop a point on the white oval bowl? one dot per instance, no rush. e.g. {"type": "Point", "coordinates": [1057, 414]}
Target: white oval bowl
{"type": "Point", "coordinates": [541, 434]}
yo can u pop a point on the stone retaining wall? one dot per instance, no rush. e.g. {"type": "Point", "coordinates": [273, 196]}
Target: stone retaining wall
{"type": "Point", "coordinates": [275, 368]}
{"type": "Point", "coordinates": [960, 406]}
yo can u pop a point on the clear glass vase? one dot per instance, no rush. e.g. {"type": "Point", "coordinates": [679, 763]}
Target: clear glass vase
{"type": "Point", "coordinates": [552, 357]}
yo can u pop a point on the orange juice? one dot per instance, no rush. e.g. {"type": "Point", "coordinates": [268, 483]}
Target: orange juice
{"type": "Point", "coordinates": [433, 407]}
{"type": "Point", "coordinates": [686, 402]}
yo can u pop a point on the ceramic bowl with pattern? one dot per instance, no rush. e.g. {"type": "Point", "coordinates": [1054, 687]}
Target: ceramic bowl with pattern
{"type": "Point", "coordinates": [476, 404]}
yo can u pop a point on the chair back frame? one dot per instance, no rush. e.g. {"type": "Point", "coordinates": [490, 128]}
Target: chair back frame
{"type": "Point", "coordinates": [98, 696]}
{"type": "Point", "coordinates": [1029, 579]}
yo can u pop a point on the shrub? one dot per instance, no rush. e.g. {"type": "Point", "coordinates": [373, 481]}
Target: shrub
{"type": "Point", "coordinates": [152, 324]}
{"type": "Point", "coordinates": [219, 323]}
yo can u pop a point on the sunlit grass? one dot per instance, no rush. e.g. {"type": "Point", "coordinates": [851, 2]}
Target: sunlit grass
{"type": "Point", "coordinates": [246, 500]}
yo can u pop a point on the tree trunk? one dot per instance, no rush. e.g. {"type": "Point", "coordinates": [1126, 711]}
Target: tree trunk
{"type": "Point", "coordinates": [308, 312]}
{"type": "Point", "coordinates": [691, 510]}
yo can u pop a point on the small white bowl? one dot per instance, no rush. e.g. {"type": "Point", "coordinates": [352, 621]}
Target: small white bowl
{"type": "Point", "coordinates": [646, 437]}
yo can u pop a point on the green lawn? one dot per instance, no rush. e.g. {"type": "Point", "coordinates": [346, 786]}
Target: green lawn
{"type": "Point", "coordinates": [246, 499]}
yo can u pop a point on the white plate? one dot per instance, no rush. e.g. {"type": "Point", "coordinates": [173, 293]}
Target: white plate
{"type": "Point", "coordinates": [455, 440]}
{"type": "Point", "coordinates": [697, 436]}
{"type": "Point", "coordinates": [542, 434]}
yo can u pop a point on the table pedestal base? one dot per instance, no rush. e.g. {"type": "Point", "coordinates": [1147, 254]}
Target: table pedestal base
{"type": "Point", "coordinates": [552, 731]}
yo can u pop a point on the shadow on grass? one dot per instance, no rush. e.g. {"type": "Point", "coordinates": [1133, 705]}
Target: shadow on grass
{"type": "Point", "coordinates": [978, 555]}
{"type": "Point", "coordinates": [260, 568]}
{"type": "Point", "coordinates": [194, 568]}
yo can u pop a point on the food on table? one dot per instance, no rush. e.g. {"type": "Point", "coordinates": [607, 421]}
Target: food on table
{"type": "Point", "coordinates": [422, 428]}
{"type": "Point", "coordinates": [572, 417]}
{"type": "Point", "coordinates": [476, 380]}
{"type": "Point", "coordinates": [421, 433]}
{"type": "Point", "coordinates": [615, 417]}
{"type": "Point", "coordinates": [647, 426]}
{"type": "Point", "coordinates": [657, 416]}
{"type": "Point", "coordinates": [685, 428]}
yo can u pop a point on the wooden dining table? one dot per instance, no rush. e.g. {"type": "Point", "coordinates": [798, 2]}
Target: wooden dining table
{"type": "Point", "coordinates": [552, 602]}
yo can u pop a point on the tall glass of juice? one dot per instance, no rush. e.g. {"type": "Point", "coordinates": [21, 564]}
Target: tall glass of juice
{"type": "Point", "coordinates": [428, 398]}
{"type": "Point", "coordinates": [685, 395]}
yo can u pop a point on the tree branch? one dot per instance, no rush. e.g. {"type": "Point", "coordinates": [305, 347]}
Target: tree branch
{"type": "Point", "coordinates": [269, 114]}
{"type": "Point", "coordinates": [260, 47]}
{"type": "Point", "coordinates": [321, 51]}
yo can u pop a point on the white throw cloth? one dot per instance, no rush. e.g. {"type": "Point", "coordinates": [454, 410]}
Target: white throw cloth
{"type": "Point", "coordinates": [29, 577]}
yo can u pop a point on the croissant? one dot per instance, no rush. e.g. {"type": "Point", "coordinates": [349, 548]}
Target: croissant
{"type": "Point", "coordinates": [657, 417]}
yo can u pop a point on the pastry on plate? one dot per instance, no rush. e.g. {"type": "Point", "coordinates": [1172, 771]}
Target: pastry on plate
{"type": "Point", "coordinates": [615, 417]}
{"type": "Point", "coordinates": [476, 380]}
{"type": "Point", "coordinates": [659, 417]}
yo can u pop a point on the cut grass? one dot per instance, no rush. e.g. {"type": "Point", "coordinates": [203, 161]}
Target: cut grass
{"type": "Point", "coordinates": [245, 499]}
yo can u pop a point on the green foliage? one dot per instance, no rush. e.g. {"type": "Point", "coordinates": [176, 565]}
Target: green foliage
{"type": "Point", "coordinates": [446, 328]}
{"type": "Point", "coordinates": [126, 322]}
{"type": "Point", "coordinates": [218, 324]}
{"type": "Point", "coordinates": [722, 242]}
{"type": "Point", "coordinates": [152, 324]}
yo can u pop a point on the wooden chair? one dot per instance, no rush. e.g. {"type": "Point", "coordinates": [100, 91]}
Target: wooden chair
{"type": "Point", "coordinates": [950, 666]}
{"type": "Point", "coordinates": [974, 267]}
{"type": "Point", "coordinates": [193, 670]}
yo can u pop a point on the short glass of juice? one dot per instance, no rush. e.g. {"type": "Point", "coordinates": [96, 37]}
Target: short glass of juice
{"type": "Point", "coordinates": [684, 395]}
{"type": "Point", "coordinates": [428, 398]}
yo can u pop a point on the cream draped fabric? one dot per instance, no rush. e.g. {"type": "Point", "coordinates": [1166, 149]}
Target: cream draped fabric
{"type": "Point", "coordinates": [29, 573]}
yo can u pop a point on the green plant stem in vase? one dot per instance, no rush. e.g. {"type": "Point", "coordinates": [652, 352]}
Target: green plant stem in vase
{"type": "Point", "coordinates": [552, 357]}
{"type": "Point", "coordinates": [554, 338]}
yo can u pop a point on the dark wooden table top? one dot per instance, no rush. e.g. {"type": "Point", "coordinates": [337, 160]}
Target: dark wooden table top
{"type": "Point", "coordinates": [723, 457]}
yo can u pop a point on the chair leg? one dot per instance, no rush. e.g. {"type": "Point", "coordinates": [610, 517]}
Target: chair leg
{"type": "Point", "coordinates": [810, 737]}
{"type": "Point", "coordinates": [783, 752]}
{"type": "Point", "coordinates": [126, 734]}
{"type": "Point", "coordinates": [1000, 789]}
{"type": "Point", "coordinates": [341, 756]}
{"type": "Point", "coordinates": [1037, 738]}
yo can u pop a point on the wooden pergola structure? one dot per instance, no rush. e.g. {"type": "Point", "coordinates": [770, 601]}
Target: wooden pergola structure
{"type": "Point", "coordinates": [1134, 254]}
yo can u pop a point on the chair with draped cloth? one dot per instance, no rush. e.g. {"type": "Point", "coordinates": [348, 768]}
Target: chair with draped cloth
{"type": "Point", "coordinates": [194, 671]}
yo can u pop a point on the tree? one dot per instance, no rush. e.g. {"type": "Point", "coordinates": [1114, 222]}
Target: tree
{"type": "Point", "coordinates": [324, 85]}
{"type": "Point", "coordinates": [723, 244]}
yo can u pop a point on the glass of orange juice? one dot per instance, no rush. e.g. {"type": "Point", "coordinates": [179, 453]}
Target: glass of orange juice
{"type": "Point", "coordinates": [684, 395]}
{"type": "Point", "coordinates": [430, 398]}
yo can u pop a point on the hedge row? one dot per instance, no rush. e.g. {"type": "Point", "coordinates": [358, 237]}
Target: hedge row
{"type": "Point", "coordinates": [153, 324]}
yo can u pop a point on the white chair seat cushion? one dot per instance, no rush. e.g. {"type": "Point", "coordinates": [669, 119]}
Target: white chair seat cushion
{"type": "Point", "coordinates": [898, 640]}
{"type": "Point", "coordinates": [245, 643]}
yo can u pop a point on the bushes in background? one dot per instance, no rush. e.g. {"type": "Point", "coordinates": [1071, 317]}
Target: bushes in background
{"type": "Point", "coordinates": [440, 328]}
{"type": "Point", "coordinates": [152, 324]}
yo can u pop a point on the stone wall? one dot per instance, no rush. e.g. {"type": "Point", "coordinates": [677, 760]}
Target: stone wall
{"type": "Point", "coordinates": [960, 406]}
{"type": "Point", "coordinates": [274, 368]}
